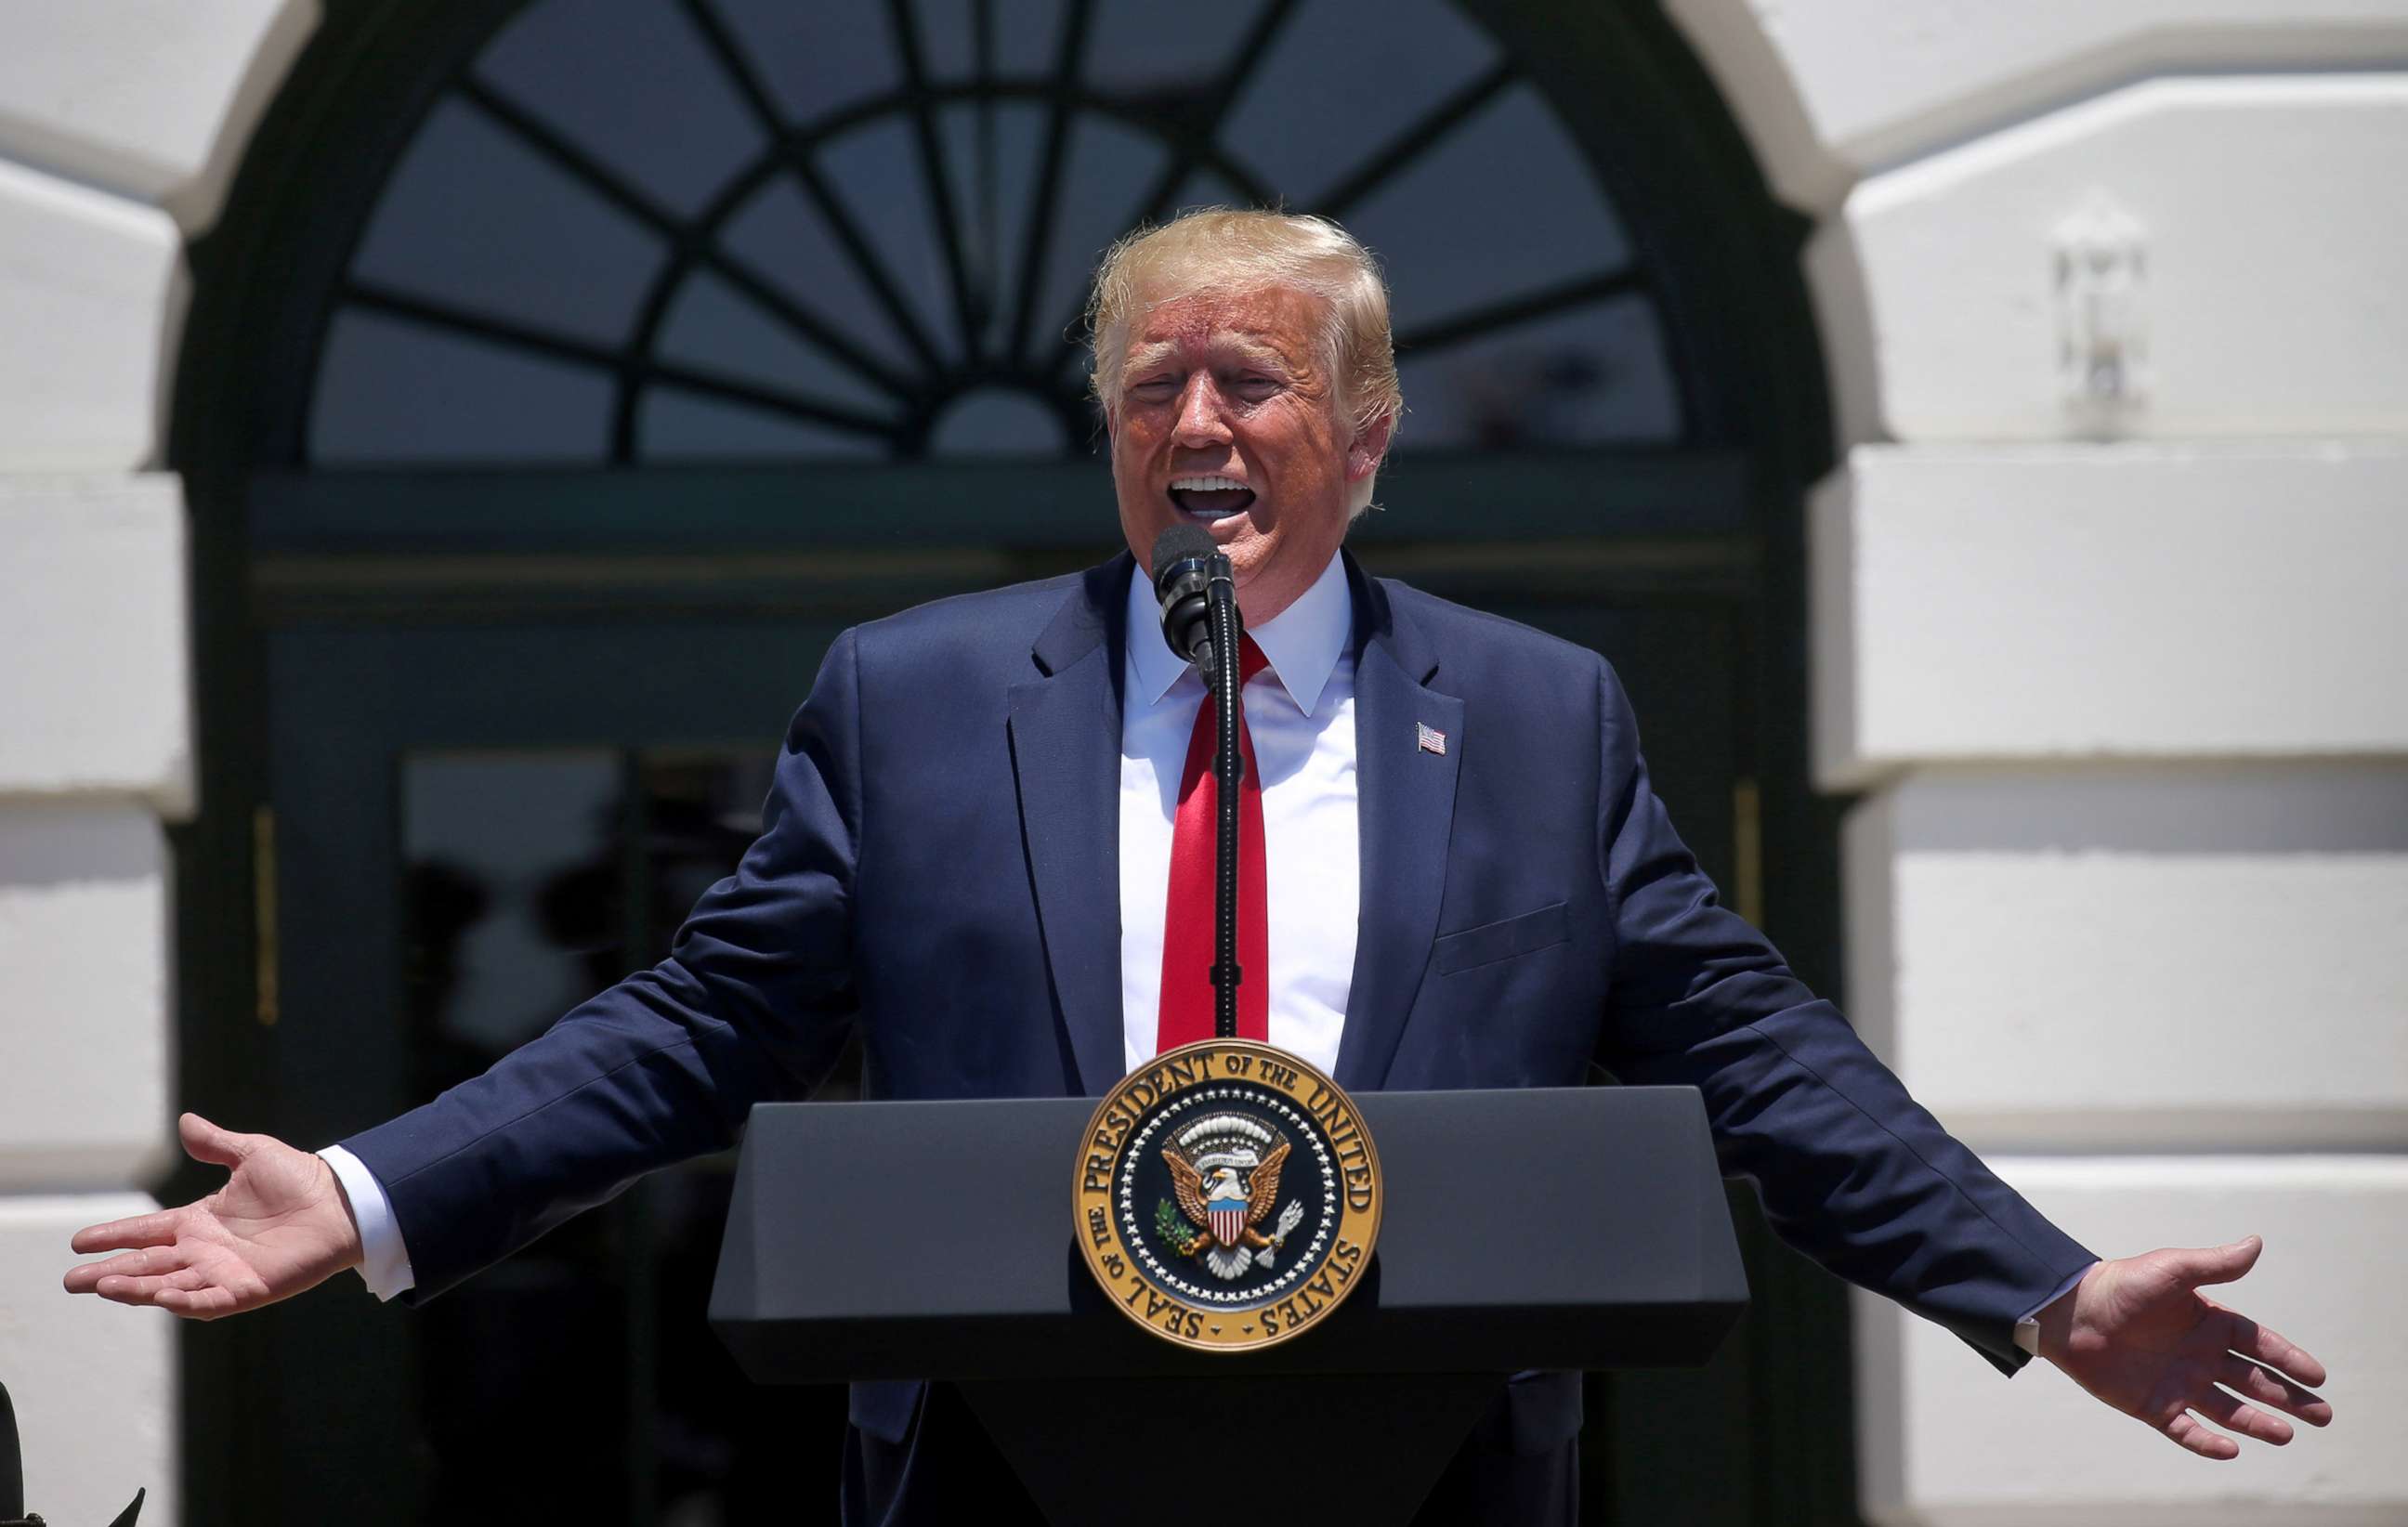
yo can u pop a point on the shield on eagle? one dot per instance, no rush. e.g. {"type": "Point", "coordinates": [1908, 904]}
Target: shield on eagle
{"type": "Point", "coordinates": [1227, 1216]}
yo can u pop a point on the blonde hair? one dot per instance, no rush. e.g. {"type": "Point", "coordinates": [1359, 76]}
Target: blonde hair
{"type": "Point", "coordinates": [1220, 248]}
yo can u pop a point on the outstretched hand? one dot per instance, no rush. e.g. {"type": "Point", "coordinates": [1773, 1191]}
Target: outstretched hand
{"type": "Point", "coordinates": [2137, 1334]}
{"type": "Point", "coordinates": [279, 1226]}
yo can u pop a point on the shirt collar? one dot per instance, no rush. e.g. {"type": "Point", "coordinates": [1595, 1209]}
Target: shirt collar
{"type": "Point", "coordinates": [1303, 641]}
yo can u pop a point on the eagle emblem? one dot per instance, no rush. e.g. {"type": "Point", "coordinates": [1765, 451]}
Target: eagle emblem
{"type": "Point", "coordinates": [1224, 1171]}
{"type": "Point", "coordinates": [1227, 1195]}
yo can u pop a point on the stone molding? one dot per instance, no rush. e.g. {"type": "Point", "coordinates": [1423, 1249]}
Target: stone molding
{"type": "Point", "coordinates": [93, 612]}
{"type": "Point", "coordinates": [1833, 90]}
{"type": "Point", "coordinates": [2073, 603]}
{"type": "Point", "coordinates": [153, 100]}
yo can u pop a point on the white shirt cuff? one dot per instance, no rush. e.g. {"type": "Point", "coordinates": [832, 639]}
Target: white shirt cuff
{"type": "Point", "coordinates": [384, 1262]}
{"type": "Point", "coordinates": [2028, 1329]}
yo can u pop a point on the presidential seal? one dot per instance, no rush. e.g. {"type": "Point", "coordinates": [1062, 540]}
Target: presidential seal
{"type": "Point", "coordinates": [1227, 1195]}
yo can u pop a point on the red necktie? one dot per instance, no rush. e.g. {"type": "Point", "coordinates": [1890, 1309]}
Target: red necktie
{"type": "Point", "coordinates": [1188, 924]}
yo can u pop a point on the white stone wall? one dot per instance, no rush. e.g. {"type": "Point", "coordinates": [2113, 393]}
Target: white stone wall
{"type": "Point", "coordinates": [2108, 626]}
{"type": "Point", "coordinates": [120, 126]}
{"type": "Point", "coordinates": [2111, 663]}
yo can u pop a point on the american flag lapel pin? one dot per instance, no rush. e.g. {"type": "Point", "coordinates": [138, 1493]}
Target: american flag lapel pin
{"type": "Point", "coordinates": [1432, 739]}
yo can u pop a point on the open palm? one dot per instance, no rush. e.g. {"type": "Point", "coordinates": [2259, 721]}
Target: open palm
{"type": "Point", "coordinates": [2139, 1335]}
{"type": "Point", "coordinates": [279, 1226]}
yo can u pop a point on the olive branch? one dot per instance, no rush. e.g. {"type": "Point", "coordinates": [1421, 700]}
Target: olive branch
{"type": "Point", "coordinates": [1172, 1228]}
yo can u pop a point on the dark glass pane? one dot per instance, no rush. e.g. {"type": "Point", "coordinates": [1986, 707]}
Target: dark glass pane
{"type": "Point", "coordinates": [779, 233]}
{"type": "Point", "coordinates": [1158, 53]}
{"type": "Point", "coordinates": [815, 59]}
{"type": "Point", "coordinates": [631, 83]}
{"type": "Point", "coordinates": [496, 848]}
{"type": "Point", "coordinates": [877, 171]}
{"type": "Point", "coordinates": [1503, 205]}
{"type": "Point", "coordinates": [725, 1447]}
{"type": "Point", "coordinates": [395, 390]}
{"type": "Point", "coordinates": [674, 425]}
{"type": "Point", "coordinates": [702, 808]}
{"type": "Point", "coordinates": [578, 1380]}
{"type": "Point", "coordinates": [1342, 77]}
{"type": "Point", "coordinates": [476, 218]}
{"type": "Point", "coordinates": [993, 421]}
{"type": "Point", "coordinates": [713, 327]}
{"type": "Point", "coordinates": [1107, 168]}
{"type": "Point", "coordinates": [1207, 187]}
{"type": "Point", "coordinates": [992, 153]}
{"type": "Point", "coordinates": [515, 900]}
{"type": "Point", "coordinates": [1024, 35]}
{"type": "Point", "coordinates": [1595, 376]}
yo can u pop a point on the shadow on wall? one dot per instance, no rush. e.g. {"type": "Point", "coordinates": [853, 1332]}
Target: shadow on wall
{"type": "Point", "coordinates": [12, 1476]}
{"type": "Point", "coordinates": [2286, 808]}
{"type": "Point", "coordinates": [78, 845]}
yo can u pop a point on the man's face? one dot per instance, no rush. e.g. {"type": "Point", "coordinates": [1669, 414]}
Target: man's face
{"type": "Point", "coordinates": [1227, 418]}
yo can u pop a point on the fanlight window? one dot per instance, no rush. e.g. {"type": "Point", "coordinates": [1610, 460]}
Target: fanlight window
{"type": "Point", "coordinates": [652, 231]}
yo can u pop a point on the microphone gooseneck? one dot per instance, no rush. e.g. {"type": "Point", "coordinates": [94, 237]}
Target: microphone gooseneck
{"type": "Point", "coordinates": [1228, 765]}
{"type": "Point", "coordinates": [1199, 591]}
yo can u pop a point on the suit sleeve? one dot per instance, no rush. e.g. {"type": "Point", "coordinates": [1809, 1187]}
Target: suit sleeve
{"type": "Point", "coordinates": [753, 1004]}
{"type": "Point", "coordinates": [1851, 1171]}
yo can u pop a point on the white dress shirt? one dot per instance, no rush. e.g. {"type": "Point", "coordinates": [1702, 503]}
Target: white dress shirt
{"type": "Point", "coordinates": [1300, 714]}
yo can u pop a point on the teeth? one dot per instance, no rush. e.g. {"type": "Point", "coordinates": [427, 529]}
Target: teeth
{"type": "Point", "coordinates": [1206, 485]}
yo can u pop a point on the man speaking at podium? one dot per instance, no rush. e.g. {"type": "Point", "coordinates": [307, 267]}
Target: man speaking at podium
{"type": "Point", "coordinates": [986, 847]}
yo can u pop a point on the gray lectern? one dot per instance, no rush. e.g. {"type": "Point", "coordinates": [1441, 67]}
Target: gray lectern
{"type": "Point", "coordinates": [1576, 1228]}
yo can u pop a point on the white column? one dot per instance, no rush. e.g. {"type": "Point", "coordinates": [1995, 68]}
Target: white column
{"type": "Point", "coordinates": [2108, 625]}
{"type": "Point", "coordinates": [120, 127]}
{"type": "Point", "coordinates": [94, 750]}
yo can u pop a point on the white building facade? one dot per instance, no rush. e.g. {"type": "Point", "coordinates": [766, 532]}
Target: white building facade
{"type": "Point", "coordinates": [2107, 620]}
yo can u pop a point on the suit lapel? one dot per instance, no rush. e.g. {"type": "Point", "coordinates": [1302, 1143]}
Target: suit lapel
{"type": "Point", "coordinates": [1406, 813]}
{"type": "Point", "coordinates": [1065, 733]}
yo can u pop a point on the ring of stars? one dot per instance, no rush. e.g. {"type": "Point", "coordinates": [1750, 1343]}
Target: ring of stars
{"type": "Point", "coordinates": [1306, 1261]}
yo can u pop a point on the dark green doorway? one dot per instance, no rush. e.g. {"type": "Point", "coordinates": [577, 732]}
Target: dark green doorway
{"type": "Point", "coordinates": [486, 822]}
{"type": "Point", "coordinates": [479, 820]}
{"type": "Point", "coordinates": [506, 420]}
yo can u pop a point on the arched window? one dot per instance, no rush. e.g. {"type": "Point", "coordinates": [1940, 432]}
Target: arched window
{"type": "Point", "coordinates": [634, 231]}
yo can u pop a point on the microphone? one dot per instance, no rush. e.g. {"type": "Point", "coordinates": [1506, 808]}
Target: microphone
{"type": "Point", "coordinates": [1198, 591]}
{"type": "Point", "coordinates": [1186, 563]}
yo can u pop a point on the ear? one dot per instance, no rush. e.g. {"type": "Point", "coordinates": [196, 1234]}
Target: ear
{"type": "Point", "coordinates": [1369, 447]}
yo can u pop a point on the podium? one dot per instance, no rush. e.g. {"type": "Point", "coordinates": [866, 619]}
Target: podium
{"type": "Point", "coordinates": [1576, 1228]}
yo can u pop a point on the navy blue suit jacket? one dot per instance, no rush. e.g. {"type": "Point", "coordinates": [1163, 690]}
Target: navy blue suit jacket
{"type": "Point", "coordinates": [938, 865]}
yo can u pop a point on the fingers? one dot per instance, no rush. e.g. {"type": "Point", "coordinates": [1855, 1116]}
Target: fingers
{"type": "Point", "coordinates": [2201, 1438]}
{"type": "Point", "coordinates": [156, 1259]}
{"type": "Point", "coordinates": [161, 1277]}
{"type": "Point", "coordinates": [145, 1291]}
{"type": "Point", "coordinates": [205, 1303]}
{"type": "Point", "coordinates": [206, 1142]}
{"type": "Point", "coordinates": [2217, 1264]}
{"type": "Point", "coordinates": [187, 1294]}
{"type": "Point", "coordinates": [2254, 1382]}
{"type": "Point", "coordinates": [2268, 1346]}
{"type": "Point", "coordinates": [2247, 1420]}
{"type": "Point", "coordinates": [157, 1228]}
{"type": "Point", "coordinates": [2185, 1419]}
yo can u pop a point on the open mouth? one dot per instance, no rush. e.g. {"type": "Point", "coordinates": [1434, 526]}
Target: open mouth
{"type": "Point", "coordinates": [1210, 498]}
